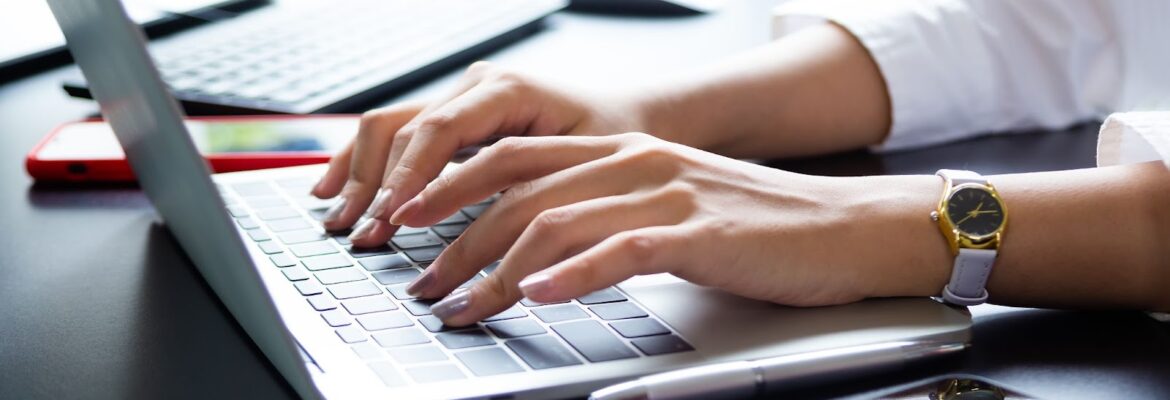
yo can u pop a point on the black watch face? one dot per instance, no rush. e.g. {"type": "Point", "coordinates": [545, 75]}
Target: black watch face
{"type": "Point", "coordinates": [975, 212]}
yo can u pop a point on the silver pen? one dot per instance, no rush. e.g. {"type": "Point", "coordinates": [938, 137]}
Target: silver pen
{"type": "Point", "coordinates": [741, 379]}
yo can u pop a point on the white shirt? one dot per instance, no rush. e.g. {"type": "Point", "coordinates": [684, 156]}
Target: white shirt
{"type": "Point", "coordinates": [959, 68]}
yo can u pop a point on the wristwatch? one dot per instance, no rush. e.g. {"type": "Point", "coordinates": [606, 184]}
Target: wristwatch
{"type": "Point", "coordinates": [972, 218]}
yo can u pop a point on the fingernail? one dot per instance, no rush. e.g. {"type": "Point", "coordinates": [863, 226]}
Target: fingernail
{"type": "Point", "coordinates": [406, 211]}
{"type": "Point", "coordinates": [363, 230]}
{"type": "Point", "coordinates": [421, 283]}
{"type": "Point", "coordinates": [317, 187]}
{"type": "Point", "coordinates": [452, 305]}
{"type": "Point", "coordinates": [335, 210]}
{"type": "Point", "coordinates": [536, 284]}
{"type": "Point", "coordinates": [378, 207]}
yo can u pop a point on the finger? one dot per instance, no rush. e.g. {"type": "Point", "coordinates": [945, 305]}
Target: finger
{"type": "Point", "coordinates": [335, 176]}
{"type": "Point", "coordinates": [490, 236]}
{"type": "Point", "coordinates": [643, 251]}
{"type": "Point", "coordinates": [559, 233]}
{"type": "Point", "coordinates": [366, 162]}
{"type": "Point", "coordinates": [510, 161]}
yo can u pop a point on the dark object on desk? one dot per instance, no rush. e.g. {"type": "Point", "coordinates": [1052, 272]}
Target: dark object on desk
{"type": "Point", "coordinates": [646, 7]}
{"type": "Point", "coordinates": [330, 56]}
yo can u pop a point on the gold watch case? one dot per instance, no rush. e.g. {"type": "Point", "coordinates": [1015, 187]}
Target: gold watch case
{"type": "Point", "coordinates": [957, 238]}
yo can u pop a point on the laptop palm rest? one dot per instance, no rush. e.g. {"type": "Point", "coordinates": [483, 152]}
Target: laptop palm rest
{"type": "Point", "coordinates": [725, 326]}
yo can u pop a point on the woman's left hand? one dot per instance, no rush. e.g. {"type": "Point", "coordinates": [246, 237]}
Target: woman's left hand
{"type": "Point", "coordinates": [579, 214]}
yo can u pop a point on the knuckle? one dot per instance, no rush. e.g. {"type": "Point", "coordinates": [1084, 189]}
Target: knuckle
{"type": "Point", "coordinates": [495, 287]}
{"type": "Point", "coordinates": [404, 135]}
{"type": "Point", "coordinates": [515, 195]}
{"type": "Point", "coordinates": [640, 247]}
{"type": "Point", "coordinates": [549, 222]}
{"type": "Point", "coordinates": [436, 122]}
{"type": "Point", "coordinates": [480, 67]}
{"type": "Point", "coordinates": [678, 192]}
{"type": "Point", "coordinates": [508, 146]}
{"type": "Point", "coordinates": [636, 137]}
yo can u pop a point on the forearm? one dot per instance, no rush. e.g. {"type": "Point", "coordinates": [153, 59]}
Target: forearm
{"type": "Point", "coordinates": [812, 92]}
{"type": "Point", "coordinates": [1090, 238]}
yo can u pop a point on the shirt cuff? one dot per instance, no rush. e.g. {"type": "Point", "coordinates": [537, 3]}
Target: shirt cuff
{"type": "Point", "coordinates": [1134, 137]}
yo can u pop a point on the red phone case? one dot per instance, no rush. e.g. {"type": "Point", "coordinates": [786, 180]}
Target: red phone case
{"type": "Point", "coordinates": [118, 170]}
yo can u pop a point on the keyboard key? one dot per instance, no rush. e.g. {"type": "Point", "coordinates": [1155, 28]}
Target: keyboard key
{"type": "Point", "coordinates": [511, 312]}
{"type": "Point", "coordinates": [387, 373]}
{"type": "Point", "coordinates": [455, 218]}
{"type": "Point", "coordinates": [238, 212]}
{"type": "Point", "coordinates": [265, 201]}
{"type": "Point", "coordinates": [435, 373]}
{"type": "Point", "coordinates": [312, 249]}
{"type": "Point", "coordinates": [360, 252]}
{"type": "Point", "coordinates": [395, 276]}
{"type": "Point", "coordinates": [384, 320]}
{"type": "Point", "coordinates": [295, 274]}
{"type": "Point", "coordinates": [275, 213]}
{"type": "Point", "coordinates": [258, 235]}
{"type": "Point", "coordinates": [379, 263]}
{"type": "Point", "coordinates": [465, 339]}
{"type": "Point", "coordinates": [543, 352]}
{"type": "Point", "coordinates": [558, 313]}
{"type": "Point", "coordinates": [531, 303]}
{"type": "Point", "coordinates": [474, 211]}
{"type": "Point", "coordinates": [351, 290]}
{"type": "Point", "coordinates": [664, 344]}
{"type": "Point", "coordinates": [328, 261]}
{"type": "Point", "coordinates": [294, 237]}
{"type": "Point", "coordinates": [416, 241]}
{"type": "Point", "coordinates": [309, 288]}
{"type": "Point", "coordinates": [408, 230]}
{"type": "Point", "coordinates": [351, 334]}
{"type": "Point", "coordinates": [593, 341]}
{"type": "Point", "coordinates": [433, 324]}
{"type": "Point", "coordinates": [418, 306]}
{"type": "Point", "coordinates": [368, 351]}
{"type": "Point", "coordinates": [399, 292]}
{"type": "Point", "coordinates": [341, 237]}
{"type": "Point", "coordinates": [621, 310]}
{"type": "Point", "coordinates": [474, 278]}
{"type": "Point", "coordinates": [425, 254]}
{"type": "Point", "coordinates": [488, 362]}
{"type": "Point", "coordinates": [491, 267]}
{"type": "Point", "coordinates": [417, 354]}
{"type": "Point", "coordinates": [335, 318]}
{"type": "Point", "coordinates": [270, 247]}
{"type": "Point", "coordinates": [400, 337]}
{"type": "Point", "coordinates": [638, 327]}
{"type": "Point", "coordinates": [450, 232]}
{"type": "Point", "coordinates": [248, 223]}
{"type": "Point", "coordinates": [607, 295]}
{"type": "Point", "coordinates": [321, 302]}
{"type": "Point", "coordinates": [516, 328]}
{"type": "Point", "coordinates": [366, 305]}
{"type": "Point", "coordinates": [341, 275]}
{"type": "Point", "coordinates": [290, 224]}
{"type": "Point", "coordinates": [282, 260]}
{"type": "Point", "coordinates": [253, 189]}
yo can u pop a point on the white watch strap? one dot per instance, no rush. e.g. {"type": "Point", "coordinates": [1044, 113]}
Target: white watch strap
{"type": "Point", "coordinates": [959, 177]}
{"type": "Point", "coordinates": [969, 277]}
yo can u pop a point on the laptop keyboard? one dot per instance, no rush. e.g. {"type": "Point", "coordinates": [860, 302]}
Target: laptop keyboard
{"type": "Point", "coordinates": [361, 295]}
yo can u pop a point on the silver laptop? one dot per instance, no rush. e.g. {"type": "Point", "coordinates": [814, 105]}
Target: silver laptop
{"type": "Point", "coordinates": [336, 321]}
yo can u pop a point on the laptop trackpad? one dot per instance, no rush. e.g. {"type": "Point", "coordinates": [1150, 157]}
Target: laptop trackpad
{"type": "Point", "coordinates": [722, 325]}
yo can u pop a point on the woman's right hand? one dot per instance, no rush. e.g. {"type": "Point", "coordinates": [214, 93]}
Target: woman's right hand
{"type": "Point", "coordinates": [401, 148]}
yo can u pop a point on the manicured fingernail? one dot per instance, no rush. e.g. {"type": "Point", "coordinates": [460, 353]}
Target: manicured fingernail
{"type": "Point", "coordinates": [316, 188]}
{"type": "Point", "coordinates": [378, 207]}
{"type": "Point", "coordinates": [363, 230]}
{"type": "Point", "coordinates": [406, 211]}
{"type": "Point", "coordinates": [536, 285]}
{"type": "Point", "coordinates": [452, 305]}
{"type": "Point", "coordinates": [421, 283]}
{"type": "Point", "coordinates": [334, 211]}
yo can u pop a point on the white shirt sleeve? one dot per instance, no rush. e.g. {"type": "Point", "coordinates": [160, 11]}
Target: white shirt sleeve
{"type": "Point", "coordinates": [959, 68]}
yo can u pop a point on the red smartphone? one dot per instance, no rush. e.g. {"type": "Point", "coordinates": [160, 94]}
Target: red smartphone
{"type": "Point", "coordinates": [88, 150]}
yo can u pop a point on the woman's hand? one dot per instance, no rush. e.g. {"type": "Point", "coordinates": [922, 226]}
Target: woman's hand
{"type": "Point", "coordinates": [401, 148]}
{"type": "Point", "coordinates": [579, 214]}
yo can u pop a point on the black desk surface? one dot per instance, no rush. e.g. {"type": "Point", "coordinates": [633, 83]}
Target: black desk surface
{"type": "Point", "coordinates": [96, 300]}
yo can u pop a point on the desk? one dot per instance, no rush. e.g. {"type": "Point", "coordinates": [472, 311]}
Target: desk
{"type": "Point", "coordinates": [96, 299]}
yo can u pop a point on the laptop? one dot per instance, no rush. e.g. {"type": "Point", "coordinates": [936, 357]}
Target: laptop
{"type": "Point", "coordinates": [336, 322]}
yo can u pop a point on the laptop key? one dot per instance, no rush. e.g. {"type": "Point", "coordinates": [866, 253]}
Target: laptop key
{"type": "Point", "coordinates": [270, 247]}
{"type": "Point", "coordinates": [488, 362]}
{"type": "Point", "coordinates": [638, 327]}
{"type": "Point", "coordinates": [248, 223]}
{"type": "Point", "coordinates": [379, 263]}
{"type": "Point", "coordinates": [532, 303]}
{"type": "Point", "coordinates": [253, 189]}
{"type": "Point", "coordinates": [387, 373]}
{"type": "Point", "coordinates": [491, 267]}
{"type": "Point", "coordinates": [321, 302]}
{"type": "Point", "coordinates": [417, 354]}
{"type": "Point", "coordinates": [323, 262]}
{"type": "Point", "coordinates": [607, 295]}
{"type": "Point", "coordinates": [516, 328]}
{"type": "Point", "coordinates": [258, 235]}
{"type": "Point", "coordinates": [450, 232]}
{"type": "Point", "coordinates": [384, 320]}
{"type": "Point", "coordinates": [408, 230]}
{"type": "Point", "coordinates": [664, 344]}
{"type": "Point", "coordinates": [343, 291]}
{"type": "Point", "coordinates": [395, 276]}
{"type": "Point", "coordinates": [351, 334]}
{"type": "Point", "coordinates": [424, 254]}
{"type": "Point", "coordinates": [435, 373]}
{"type": "Point", "coordinates": [302, 236]}
{"type": "Point", "coordinates": [295, 274]}
{"type": "Point", "coordinates": [543, 352]}
{"type": "Point", "coordinates": [360, 252]}
{"type": "Point", "coordinates": [399, 292]}
{"type": "Point", "coordinates": [455, 218]}
{"type": "Point", "coordinates": [559, 313]}
{"type": "Point", "coordinates": [341, 275]}
{"type": "Point", "coordinates": [623, 310]}
{"type": "Point", "coordinates": [309, 288]}
{"type": "Point", "coordinates": [416, 241]}
{"type": "Point", "coordinates": [312, 249]}
{"type": "Point", "coordinates": [290, 224]}
{"type": "Point", "coordinates": [474, 211]}
{"type": "Point", "coordinates": [366, 305]}
{"type": "Point", "coordinates": [238, 212]}
{"type": "Point", "coordinates": [464, 339]}
{"type": "Point", "coordinates": [282, 260]}
{"type": "Point", "coordinates": [275, 213]}
{"type": "Point", "coordinates": [265, 201]}
{"type": "Point", "coordinates": [400, 337]}
{"type": "Point", "coordinates": [593, 341]}
{"type": "Point", "coordinates": [335, 318]}
{"type": "Point", "coordinates": [368, 351]}
{"type": "Point", "coordinates": [418, 306]}
{"type": "Point", "coordinates": [510, 313]}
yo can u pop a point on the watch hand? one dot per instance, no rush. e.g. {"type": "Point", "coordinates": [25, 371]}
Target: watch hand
{"type": "Point", "coordinates": [964, 219]}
